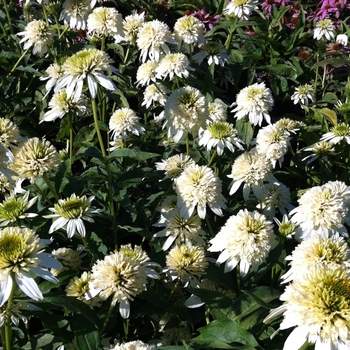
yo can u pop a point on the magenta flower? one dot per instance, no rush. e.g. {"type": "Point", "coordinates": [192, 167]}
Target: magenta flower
{"type": "Point", "coordinates": [207, 19]}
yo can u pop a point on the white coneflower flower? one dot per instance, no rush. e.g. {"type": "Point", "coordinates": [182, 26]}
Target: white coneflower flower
{"type": "Point", "coordinates": [9, 132]}
{"type": "Point", "coordinates": [189, 29]}
{"type": "Point", "coordinates": [273, 142]}
{"type": "Point", "coordinates": [54, 74]}
{"type": "Point", "coordinates": [197, 187]}
{"type": "Point", "coordinates": [289, 125]}
{"type": "Point", "coordinates": [187, 263]}
{"type": "Point", "coordinates": [318, 305]}
{"type": "Point", "coordinates": [123, 121]}
{"type": "Point", "coordinates": [78, 287]}
{"type": "Point", "coordinates": [285, 228]}
{"type": "Point", "coordinates": [175, 165]}
{"type": "Point", "coordinates": [119, 276]}
{"type": "Point", "coordinates": [214, 52]}
{"type": "Point", "coordinates": [146, 73]}
{"type": "Point", "coordinates": [61, 105]}
{"type": "Point", "coordinates": [5, 185]}
{"type": "Point", "coordinates": [152, 40]}
{"type": "Point", "coordinates": [38, 34]}
{"type": "Point", "coordinates": [320, 150]}
{"type": "Point", "coordinates": [6, 161]}
{"type": "Point", "coordinates": [241, 8]}
{"type": "Point", "coordinates": [186, 110]}
{"type": "Point", "coordinates": [22, 257]}
{"type": "Point", "coordinates": [220, 135]}
{"type": "Point", "coordinates": [155, 93]}
{"type": "Point", "coordinates": [106, 21]}
{"type": "Point", "coordinates": [180, 230]}
{"type": "Point", "coordinates": [86, 65]}
{"type": "Point", "coordinates": [252, 169]}
{"type": "Point", "coordinates": [320, 212]}
{"type": "Point", "coordinates": [171, 65]}
{"type": "Point", "coordinates": [16, 312]}
{"type": "Point", "coordinates": [34, 158]}
{"type": "Point", "coordinates": [316, 251]}
{"type": "Point", "coordinates": [69, 258]}
{"type": "Point", "coordinates": [143, 259]}
{"type": "Point", "coordinates": [133, 345]}
{"type": "Point", "coordinates": [75, 13]}
{"type": "Point", "coordinates": [254, 101]}
{"type": "Point", "coordinates": [13, 208]}
{"type": "Point", "coordinates": [324, 28]}
{"type": "Point", "coordinates": [70, 213]}
{"type": "Point", "coordinates": [217, 112]}
{"type": "Point", "coordinates": [167, 205]}
{"type": "Point", "coordinates": [275, 196]}
{"type": "Point", "coordinates": [303, 94]}
{"type": "Point", "coordinates": [246, 238]}
{"type": "Point", "coordinates": [338, 133]}
{"type": "Point", "coordinates": [342, 39]}
{"type": "Point", "coordinates": [132, 24]}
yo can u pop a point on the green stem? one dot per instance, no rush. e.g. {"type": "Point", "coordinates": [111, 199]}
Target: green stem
{"type": "Point", "coordinates": [44, 12]}
{"type": "Point", "coordinates": [212, 158]}
{"type": "Point", "coordinates": [174, 290]}
{"type": "Point", "coordinates": [103, 43]}
{"type": "Point", "coordinates": [18, 62]}
{"type": "Point", "coordinates": [316, 75]}
{"type": "Point", "coordinates": [238, 275]}
{"type": "Point", "coordinates": [187, 145]}
{"type": "Point", "coordinates": [38, 189]}
{"type": "Point", "coordinates": [209, 226]}
{"type": "Point", "coordinates": [126, 328]}
{"type": "Point", "coordinates": [8, 328]}
{"type": "Point", "coordinates": [64, 30]}
{"type": "Point", "coordinates": [70, 119]}
{"type": "Point", "coordinates": [324, 76]}
{"type": "Point", "coordinates": [109, 314]}
{"type": "Point", "coordinates": [50, 186]}
{"type": "Point", "coordinates": [98, 131]}
{"type": "Point", "coordinates": [9, 20]}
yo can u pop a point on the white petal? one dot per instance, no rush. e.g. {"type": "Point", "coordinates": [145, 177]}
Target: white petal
{"type": "Point", "coordinates": [296, 339]}
{"type": "Point", "coordinates": [168, 243]}
{"type": "Point", "coordinates": [44, 273]}
{"type": "Point", "coordinates": [29, 286]}
{"type": "Point", "coordinates": [124, 308]}
{"type": "Point", "coordinates": [92, 86]}
{"type": "Point", "coordinates": [5, 290]}
{"type": "Point", "coordinates": [193, 301]}
{"type": "Point", "coordinates": [104, 81]}
{"type": "Point", "coordinates": [57, 224]}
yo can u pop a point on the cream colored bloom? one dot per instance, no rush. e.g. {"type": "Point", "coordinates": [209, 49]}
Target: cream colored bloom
{"type": "Point", "coordinates": [54, 74]}
{"type": "Point", "coordinates": [152, 40]}
{"type": "Point", "coordinates": [321, 211]}
{"type": "Point", "coordinates": [217, 112]}
{"type": "Point", "coordinates": [9, 133]}
{"type": "Point", "coordinates": [34, 159]}
{"type": "Point", "coordinates": [106, 21]}
{"type": "Point", "coordinates": [123, 121]}
{"type": "Point", "coordinates": [241, 8]}
{"type": "Point", "coordinates": [119, 276]}
{"type": "Point", "coordinates": [75, 13]}
{"type": "Point", "coordinates": [187, 263]}
{"type": "Point", "coordinates": [220, 135]}
{"type": "Point", "coordinates": [318, 305]}
{"type": "Point", "coordinates": [324, 28]}
{"type": "Point", "coordinates": [173, 64]}
{"type": "Point", "coordinates": [186, 110]}
{"type": "Point", "coordinates": [214, 52]}
{"type": "Point", "coordinates": [155, 94]}
{"type": "Point", "coordinates": [254, 101]}
{"type": "Point", "coordinates": [338, 133]}
{"type": "Point", "coordinates": [303, 94]}
{"type": "Point", "coordinates": [289, 125]}
{"type": "Point", "coordinates": [132, 24]}
{"type": "Point", "coordinates": [146, 73]}
{"type": "Point", "coordinates": [13, 208]}
{"type": "Point", "coordinates": [178, 229]}
{"type": "Point", "coordinates": [133, 345]}
{"type": "Point", "coordinates": [317, 251]}
{"type": "Point", "coordinates": [197, 187]}
{"type": "Point", "coordinates": [252, 169]}
{"type": "Point", "coordinates": [273, 142]}
{"type": "Point", "coordinates": [61, 105]}
{"type": "Point", "coordinates": [69, 258]}
{"type": "Point", "coordinates": [69, 213]}
{"type": "Point", "coordinates": [320, 150]}
{"type": "Point", "coordinates": [38, 34]}
{"type": "Point", "coordinates": [175, 165]}
{"type": "Point", "coordinates": [21, 258]}
{"type": "Point", "coordinates": [189, 29]}
{"type": "Point", "coordinates": [246, 238]}
{"type": "Point", "coordinates": [87, 65]}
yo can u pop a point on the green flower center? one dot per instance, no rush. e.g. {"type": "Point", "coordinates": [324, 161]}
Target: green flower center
{"type": "Point", "coordinates": [12, 208]}
{"type": "Point", "coordinates": [240, 2]}
{"type": "Point", "coordinates": [341, 130]}
{"type": "Point", "coordinates": [286, 229]}
{"type": "Point", "coordinates": [221, 130]}
{"type": "Point", "coordinates": [254, 226]}
{"type": "Point", "coordinates": [12, 248]}
{"type": "Point", "coordinates": [71, 208]}
{"type": "Point", "coordinates": [336, 295]}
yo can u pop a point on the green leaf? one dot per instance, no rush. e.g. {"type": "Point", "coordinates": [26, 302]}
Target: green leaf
{"type": "Point", "coordinates": [134, 154]}
{"type": "Point", "coordinates": [245, 128]}
{"type": "Point", "coordinates": [85, 334]}
{"type": "Point", "coordinates": [330, 115]}
{"type": "Point", "coordinates": [334, 62]}
{"type": "Point", "coordinates": [219, 333]}
{"type": "Point", "coordinates": [282, 70]}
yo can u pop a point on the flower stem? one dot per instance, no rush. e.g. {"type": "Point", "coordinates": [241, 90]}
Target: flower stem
{"type": "Point", "coordinates": [18, 62]}
{"type": "Point", "coordinates": [209, 226]}
{"type": "Point", "coordinates": [9, 20]}
{"type": "Point", "coordinates": [126, 328]}
{"type": "Point", "coordinates": [98, 131]}
{"type": "Point", "coordinates": [8, 328]}
{"type": "Point", "coordinates": [316, 76]}
{"type": "Point", "coordinates": [38, 189]}
{"type": "Point", "coordinates": [108, 316]}
{"type": "Point", "coordinates": [70, 119]}
{"type": "Point", "coordinates": [50, 186]}
{"type": "Point", "coordinates": [187, 145]}
{"type": "Point", "coordinates": [212, 158]}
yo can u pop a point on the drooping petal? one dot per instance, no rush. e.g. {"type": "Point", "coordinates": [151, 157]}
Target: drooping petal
{"type": "Point", "coordinates": [124, 308]}
{"type": "Point", "coordinates": [29, 286]}
{"type": "Point", "coordinates": [5, 289]}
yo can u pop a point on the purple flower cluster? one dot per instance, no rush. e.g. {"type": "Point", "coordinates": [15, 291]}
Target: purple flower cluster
{"type": "Point", "coordinates": [329, 9]}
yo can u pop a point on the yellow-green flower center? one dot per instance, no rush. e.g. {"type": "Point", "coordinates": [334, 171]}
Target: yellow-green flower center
{"type": "Point", "coordinates": [12, 248]}
{"type": "Point", "coordinates": [286, 228]}
{"type": "Point", "coordinates": [221, 130]}
{"type": "Point", "coordinates": [254, 226]}
{"type": "Point", "coordinates": [12, 208]}
{"type": "Point", "coordinates": [241, 2]}
{"type": "Point", "coordinates": [72, 208]}
{"type": "Point", "coordinates": [336, 295]}
{"type": "Point", "coordinates": [341, 130]}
